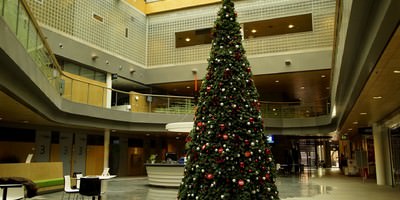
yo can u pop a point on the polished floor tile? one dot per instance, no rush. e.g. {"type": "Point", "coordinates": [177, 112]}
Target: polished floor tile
{"type": "Point", "coordinates": [321, 184]}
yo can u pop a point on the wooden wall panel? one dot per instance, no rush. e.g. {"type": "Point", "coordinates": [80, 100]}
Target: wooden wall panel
{"type": "Point", "coordinates": [94, 160]}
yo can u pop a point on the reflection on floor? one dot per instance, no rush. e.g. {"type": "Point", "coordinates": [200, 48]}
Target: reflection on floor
{"type": "Point", "coordinates": [321, 184]}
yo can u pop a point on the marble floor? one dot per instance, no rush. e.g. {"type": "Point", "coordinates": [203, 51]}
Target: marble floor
{"type": "Point", "coordinates": [321, 184]}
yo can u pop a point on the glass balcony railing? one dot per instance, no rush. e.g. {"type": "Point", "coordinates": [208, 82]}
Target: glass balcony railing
{"type": "Point", "coordinates": [78, 89]}
{"type": "Point", "coordinates": [19, 20]}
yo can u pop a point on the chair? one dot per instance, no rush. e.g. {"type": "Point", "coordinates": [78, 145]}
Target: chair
{"type": "Point", "coordinates": [67, 188]}
{"type": "Point", "coordinates": [78, 180]}
{"type": "Point", "coordinates": [106, 172]}
{"type": "Point", "coordinates": [90, 186]}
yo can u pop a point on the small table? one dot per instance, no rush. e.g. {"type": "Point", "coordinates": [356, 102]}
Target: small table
{"type": "Point", "coordinates": [6, 186]}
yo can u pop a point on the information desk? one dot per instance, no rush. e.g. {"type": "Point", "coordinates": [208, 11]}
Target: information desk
{"type": "Point", "coordinates": [167, 175]}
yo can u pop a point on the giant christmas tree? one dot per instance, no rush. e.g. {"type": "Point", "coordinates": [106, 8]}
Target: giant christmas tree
{"type": "Point", "coordinates": [228, 157]}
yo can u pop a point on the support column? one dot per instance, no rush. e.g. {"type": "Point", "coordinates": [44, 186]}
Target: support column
{"type": "Point", "coordinates": [108, 92]}
{"type": "Point", "coordinates": [382, 154]}
{"type": "Point", "coordinates": [106, 147]}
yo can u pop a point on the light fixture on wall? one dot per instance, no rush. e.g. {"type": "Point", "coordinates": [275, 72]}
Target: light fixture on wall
{"type": "Point", "coordinates": [94, 57]}
{"type": "Point", "coordinates": [288, 62]}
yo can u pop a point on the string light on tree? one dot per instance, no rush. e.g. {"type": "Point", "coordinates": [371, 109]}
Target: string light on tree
{"type": "Point", "coordinates": [229, 156]}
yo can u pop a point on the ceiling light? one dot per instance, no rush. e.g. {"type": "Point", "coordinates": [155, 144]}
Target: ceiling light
{"type": "Point", "coordinates": [323, 76]}
{"type": "Point", "coordinates": [113, 131]}
{"type": "Point", "coordinates": [254, 31]}
{"type": "Point", "coordinates": [377, 97]}
{"type": "Point", "coordinates": [147, 134]}
{"type": "Point", "coordinates": [363, 113]}
{"type": "Point", "coordinates": [277, 81]}
{"type": "Point", "coordinates": [25, 121]}
{"type": "Point", "coordinates": [188, 87]}
{"type": "Point", "coordinates": [187, 39]}
{"type": "Point", "coordinates": [273, 109]}
{"type": "Point", "coordinates": [291, 26]}
{"type": "Point", "coordinates": [327, 88]}
{"type": "Point", "coordinates": [396, 71]}
{"type": "Point", "coordinates": [1, 118]}
{"type": "Point", "coordinates": [302, 87]}
{"type": "Point", "coordinates": [350, 129]}
{"type": "Point", "coordinates": [355, 122]}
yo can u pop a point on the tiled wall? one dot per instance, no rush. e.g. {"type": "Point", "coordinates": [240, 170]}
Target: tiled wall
{"type": "Point", "coordinates": [75, 18]}
{"type": "Point", "coordinates": [162, 51]}
{"type": "Point", "coordinates": [154, 36]}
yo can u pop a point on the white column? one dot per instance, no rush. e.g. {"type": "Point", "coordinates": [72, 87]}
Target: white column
{"type": "Point", "coordinates": [108, 92]}
{"type": "Point", "coordinates": [382, 154]}
{"type": "Point", "coordinates": [106, 147]}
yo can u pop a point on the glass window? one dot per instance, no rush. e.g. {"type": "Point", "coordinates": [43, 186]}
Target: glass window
{"type": "Point", "coordinates": [71, 68]}
{"type": "Point", "coordinates": [99, 76]}
{"type": "Point", "coordinates": [87, 73]}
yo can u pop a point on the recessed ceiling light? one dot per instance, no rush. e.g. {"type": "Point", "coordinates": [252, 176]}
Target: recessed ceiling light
{"type": "Point", "coordinates": [323, 76]}
{"type": "Point", "coordinates": [302, 87]}
{"type": "Point", "coordinates": [147, 134]}
{"type": "Point", "coordinates": [277, 81]}
{"type": "Point", "coordinates": [188, 87]}
{"type": "Point", "coordinates": [377, 97]}
{"type": "Point", "coordinates": [327, 88]}
{"type": "Point", "coordinates": [291, 26]}
{"type": "Point", "coordinates": [396, 71]}
{"type": "Point", "coordinates": [25, 121]}
{"type": "Point", "coordinates": [254, 31]}
{"type": "Point", "coordinates": [113, 131]}
{"type": "Point", "coordinates": [363, 113]}
{"type": "Point", "coordinates": [273, 109]}
{"type": "Point", "coordinates": [187, 39]}
{"type": "Point", "coordinates": [355, 122]}
{"type": "Point", "coordinates": [350, 129]}
{"type": "Point", "coordinates": [1, 118]}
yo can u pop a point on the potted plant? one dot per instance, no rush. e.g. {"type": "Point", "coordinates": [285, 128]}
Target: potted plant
{"type": "Point", "coordinates": [152, 158]}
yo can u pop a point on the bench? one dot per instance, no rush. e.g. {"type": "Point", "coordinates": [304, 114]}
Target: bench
{"type": "Point", "coordinates": [49, 185]}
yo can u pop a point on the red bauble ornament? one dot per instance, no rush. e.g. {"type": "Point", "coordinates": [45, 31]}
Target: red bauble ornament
{"type": "Point", "coordinates": [220, 150]}
{"type": "Point", "coordinates": [199, 124]}
{"type": "Point", "coordinates": [250, 170]}
{"type": "Point", "coordinates": [247, 154]}
{"type": "Point", "coordinates": [222, 127]}
{"type": "Point", "coordinates": [241, 183]}
{"type": "Point", "coordinates": [225, 136]}
{"type": "Point", "coordinates": [246, 142]}
{"type": "Point", "coordinates": [267, 176]}
{"type": "Point", "coordinates": [203, 147]}
{"type": "Point", "coordinates": [267, 151]}
{"type": "Point", "coordinates": [208, 88]}
{"type": "Point", "coordinates": [242, 164]}
{"type": "Point", "coordinates": [248, 69]}
{"type": "Point", "coordinates": [251, 119]}
{"type": "Point", "coordinates": [209, 176]}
